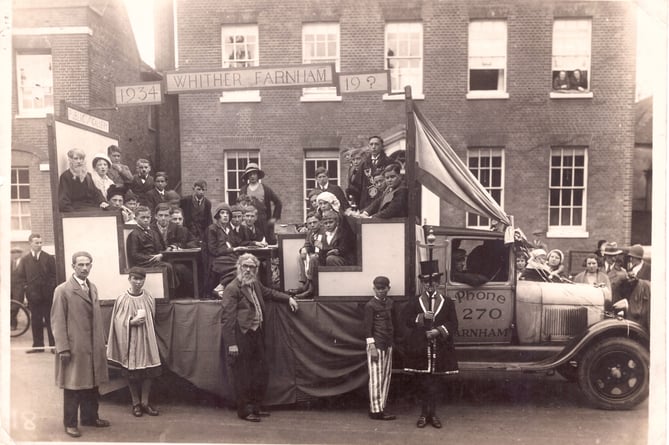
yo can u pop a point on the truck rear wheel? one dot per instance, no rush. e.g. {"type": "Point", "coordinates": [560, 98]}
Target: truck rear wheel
{"type": "Point", "coordinates": [614, 374]}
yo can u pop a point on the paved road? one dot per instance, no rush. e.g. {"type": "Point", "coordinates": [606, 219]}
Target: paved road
{"type": "Point", "coordinates": [483, 409]}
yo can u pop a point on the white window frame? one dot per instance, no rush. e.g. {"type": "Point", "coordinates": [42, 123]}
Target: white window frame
{"type": "Point", "coordinates": [320, 36]}
{"type": "Point", "coordinates": [242, 158]}
{"type": "Point", "coordinates": [40, 83]}
{"type": "Point", "coordinates": [250, 35]}
{"type": "Point", "coordinates": [23, 230]}
{"type": "Point", "coordinates": [486, 153]}
{"type": "Point", "coordinates": [487, 49]}
{"type": "Point", "coordinates": [567, 230]}
{"type": "Point", "coordinates": [571, 50]}
{"type": "Point", "coordinates": [320, 158]}
{"type": "Point", "coordinates": [403, 33]}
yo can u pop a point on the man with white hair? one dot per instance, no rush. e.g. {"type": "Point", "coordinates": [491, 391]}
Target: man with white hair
{"type": "Point", "coordinates": [243, 335]}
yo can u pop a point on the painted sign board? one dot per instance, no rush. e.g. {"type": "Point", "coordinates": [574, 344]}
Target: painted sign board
{"type": "Point", "coordinates": [485, 313]}
{"type": "Point", "coordinates": [87, 120]}
{"type": "Point", "coordinates": [254, 78]}
{"type": "Point", "coordinates": [143, 93]}
{"type": "Point", "coordinates": [378, 82]}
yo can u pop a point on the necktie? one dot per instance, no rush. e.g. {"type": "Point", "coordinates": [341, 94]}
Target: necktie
{"type": "Point", "coordinates": [84, 286]}
{"type": "Point", "coordinates": [256, 304]}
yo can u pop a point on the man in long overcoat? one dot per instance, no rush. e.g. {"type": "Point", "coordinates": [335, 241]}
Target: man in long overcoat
{"type": "Point", "coordinates": [81, 361]}
{"type": "Point", "coordinates": [36, 275]}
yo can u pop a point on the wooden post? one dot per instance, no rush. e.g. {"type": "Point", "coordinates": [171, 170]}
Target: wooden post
{"type": "Point", "coordinates": [412, 211]}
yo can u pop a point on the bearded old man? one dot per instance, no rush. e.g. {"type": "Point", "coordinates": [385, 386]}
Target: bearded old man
{"type": "Point", "coordinates": [242, 322]}
{"type": "Point", "coordinates": [76, 190]}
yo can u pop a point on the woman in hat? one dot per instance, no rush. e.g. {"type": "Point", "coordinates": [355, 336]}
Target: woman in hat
{"type": "Point", "coordinates": [221, 256]}
{"type": "Point", "coordinates": [262, 197]}
{"type": "Point", "coordinates": [555, 262]}
{"type": "Point", "coordinates": [428, 348]}
{"type": "Point", "coordinates": [101, 165]}
{"type": "Point", "coordinates": [536, 269]}
{"type": "Point", "coordinates": [132, 341]}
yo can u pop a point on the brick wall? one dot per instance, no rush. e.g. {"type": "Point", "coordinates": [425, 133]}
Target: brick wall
{"type": "Point", "coordinates": [527, 124]}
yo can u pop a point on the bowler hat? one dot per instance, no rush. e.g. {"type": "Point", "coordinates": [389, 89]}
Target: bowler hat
{"type": "Point", "coordinates": [636, 251]}
{"type": "Point", "coordinates": [612, 249]}
{"type": "Point", "coordinates": [253, 167]}
{"type": "Point", "coordinates": [429, 269]}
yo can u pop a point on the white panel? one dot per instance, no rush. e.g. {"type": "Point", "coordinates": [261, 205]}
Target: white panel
{"type": "Point", "coordinates": [290, 249]}
{"type": "Point", "coordinates": [429, 207]}
{"type": "Point", "coordinates": [102, 244]}
{"type": "Point", "coordinates": [382, 254]}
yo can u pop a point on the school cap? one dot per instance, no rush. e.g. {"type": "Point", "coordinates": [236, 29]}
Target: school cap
{"type": "Point", "coordinates": [137, 272]}
{"type": "Point", "coordinates": [381, 282]}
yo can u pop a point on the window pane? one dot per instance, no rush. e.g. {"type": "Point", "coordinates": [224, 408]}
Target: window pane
{"type": "Point", "coordinates": [578, 217]}
{"type": "Point", "coordinates": [24, 192]}
{"type": "Point", "coordinates": [15, 192]}
{"type": "Point", "coordinates": [566, 216]}
{"type": "Point", "coordinates": [473, 162]}
{"type": "Point", "coordinates": [23, 175]}
{"type": "Point", "coordinates": [566, 178]}
{"type": "Point", "coordinates": [483, 80]}
{"type": "Point", "coordinates": [497, 161]}
{"type": "Point", "coordinates": [578, 177]}
{"type": "Point", "coordinates": [566, 197]}
{"type": "Point", "coordinates": [484, 178]}
{"type": "Point", "coordinates": [496, 178]}
{"type": "Point", "coordinates": [555, 177]}
{"type": "Point", "coordinates": [554, 197]}
{"type": "Point", "coordinates": [578, 197]}
{"type": "Point", "coordinates": [554, 217]}
{"type": "Point", "coordinates": [556, 161]}
{"type": "Point", "coordinates": [579, 160]}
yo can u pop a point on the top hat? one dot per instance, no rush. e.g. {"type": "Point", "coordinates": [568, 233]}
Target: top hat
{"type": "Point", "coordinates": [429, 269]}
{"type": "Point", "coordinates": [612, 249]}
{"type": "Point", "coordinates": [636, 251]}
{"type": "Point", "coordinates": [253, 167]}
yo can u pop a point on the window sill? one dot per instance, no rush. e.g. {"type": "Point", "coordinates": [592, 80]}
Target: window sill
{"type": "Point", "coordinates": [573, 95]}
{"type": "Point", "coordinates": [32, 115]}
{"type": "Point", "coordinates": [238, 99]}
{"type": "Point", "coordinates": [400, 96]}
{"type": "Point", "coordinates": [475, 95]}
{"type": "Point", "coordinates": [320, 98]}
{"type": "Point", "coordinates": [567, 233]}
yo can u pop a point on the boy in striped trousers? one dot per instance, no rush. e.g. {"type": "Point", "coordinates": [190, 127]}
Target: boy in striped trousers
{"type": "Point", "coordinates": [378, 325]}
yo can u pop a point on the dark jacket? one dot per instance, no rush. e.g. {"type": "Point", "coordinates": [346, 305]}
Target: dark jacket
{"type": "Point", "coordinates": [77, 195]}
{"type": "Point", "coordinates": [142, 244]}
{"type": "Point", "coordinates": [344, 241]}
{"type": "Point", "coordinates": [140, 188]}
{"type": "Point", "coordinates": [416, 348]}
{"type": "Point", "coordinates": [37, 277]}
{"type": "Point", "coordinates": [393, 204]}
{"type": "Point", "coordinates": [196, 218]}
{"type": "Point", "coordinates": [271, 198]}
{"type": "Point", "coordinates": [178, 236]}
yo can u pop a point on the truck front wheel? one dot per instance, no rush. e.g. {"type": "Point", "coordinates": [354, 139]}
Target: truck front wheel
{"type": "Point", "coordinates": [614, 374]}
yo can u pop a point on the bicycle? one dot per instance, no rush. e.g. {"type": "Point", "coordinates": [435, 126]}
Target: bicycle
{"type": "Point", "coordinates": [22, 318]}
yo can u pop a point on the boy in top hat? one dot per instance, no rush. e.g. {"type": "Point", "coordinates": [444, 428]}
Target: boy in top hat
{"type": "Point", "coordinates": [431, 323]}
{"type": "Point", "coordinates": [378, 326]}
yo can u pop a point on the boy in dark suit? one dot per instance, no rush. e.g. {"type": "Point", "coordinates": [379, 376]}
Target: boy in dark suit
{"type": "Point", "coordinates": [197, 210]}
{"type": "Point", "coordinates": [338, 243]}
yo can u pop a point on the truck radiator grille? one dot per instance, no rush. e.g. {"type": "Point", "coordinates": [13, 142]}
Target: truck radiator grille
{"type": "Point", "coordinates": [560, 324]}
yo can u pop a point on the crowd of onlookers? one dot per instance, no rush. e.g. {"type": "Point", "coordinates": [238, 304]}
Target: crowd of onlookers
{"type": "Point", "coordinates": [166, 221]}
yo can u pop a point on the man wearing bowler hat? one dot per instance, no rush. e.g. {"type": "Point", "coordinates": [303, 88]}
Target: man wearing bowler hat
{"type": "Point", "coordinates": [262, 198]}
{"type": "Point", "coordinates": [637, 266]}
{"type": "Point", "coordinates": [431, 323]}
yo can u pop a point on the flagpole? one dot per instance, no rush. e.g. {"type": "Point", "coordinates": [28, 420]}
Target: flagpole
{"type": "Point", "coordinates": [412, 211]}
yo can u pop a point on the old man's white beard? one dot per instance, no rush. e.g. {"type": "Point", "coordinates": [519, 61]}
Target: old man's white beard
{"type": "Point", "coordinates": [246, 278]}
{"type": "Point", "coordinates": [79, 172]}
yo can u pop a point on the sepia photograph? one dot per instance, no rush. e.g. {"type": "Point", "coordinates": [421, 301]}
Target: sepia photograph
{"type": "Point", "coordinates": [333, 221]}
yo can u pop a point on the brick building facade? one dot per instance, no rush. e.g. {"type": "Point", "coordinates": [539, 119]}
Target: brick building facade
{"type": "Point", "coordinates": [74, 51]}
{"type": "Point", "coordinates": [559, 161]}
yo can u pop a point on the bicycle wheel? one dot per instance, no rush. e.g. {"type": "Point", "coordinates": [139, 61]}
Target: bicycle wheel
{"type": "Point", "coordinates": [22, 319]}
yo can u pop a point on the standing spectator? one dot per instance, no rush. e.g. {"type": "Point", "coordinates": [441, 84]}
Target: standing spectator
{"type": "Point", "coordinates": [158, 193]}
{"type": "Point", "coordinates": [323, 185]}
{"type": "Point", "coordinates": [614, 270]}
{"type": "Point", "coordinates": [17, 291]}
{"type": "Point", "coordinates": [81, 363]}
{"type": "Point", "coordinates": [379, 331]}
{"type": "Point", "coordinates": [263, 198]}
{"type": "Point", "coordinates": [354, 178]}
{"type": "Point", "coordinates": [242, 328]}
{"type": "Point", "coordinates": [76, 190]}
{"type": "Point", "coordinates": [591, 274]}
{"type": "Point", "coordinates": [36, 274]}
{"type": "Point", "coordinates": [142, 182]}
{"type": "Point", "coordinates": [431, 323]}
{"type": "Point", "coordinates": [197, 210]}
{"type": "Point", "coordinates": [119, 173]}
{"type": "Point", "coordinates": [132, 341]}
{"type": "Point", "coordinates": [637, 267]}
{"type": "Point", "coordinates": [221, 257]}
{"type": "Point", "coordinates": [101, 179]}
{"type": "Point", "coordinates": [377, 161]}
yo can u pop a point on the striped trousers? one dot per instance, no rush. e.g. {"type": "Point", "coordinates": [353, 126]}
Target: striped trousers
{"type": "Point", "coordinates": [380, 372]}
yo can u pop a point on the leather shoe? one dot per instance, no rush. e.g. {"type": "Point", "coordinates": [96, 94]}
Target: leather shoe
{"type": "Point", "coordinates": [434, 420]}
{"type": "Point", "coordinates": [421, 422]}
{"type": "Point", "coordinates": [34, 350]}
{"type": "Point", "coordinates": [252, 418]}
{"type": "Point", "coordinates": [72, 431]}
{"type": "Point", "coordinates": [137, 411]}
{"type": "Point", "coordinates": [261, 413]}
{"type": "Point", "coordinates": [148, 409]}
{"type": "Point", "coordinates": [98, 423]}
{"type": "Point", "coordinates": [381, 416]}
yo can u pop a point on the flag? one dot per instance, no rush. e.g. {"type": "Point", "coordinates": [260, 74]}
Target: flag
{"type": "Point", "coordinates": [440, 170]}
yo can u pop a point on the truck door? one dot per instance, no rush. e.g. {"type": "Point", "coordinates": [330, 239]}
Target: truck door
{"type": "Point", "coordinates": [479, 280]}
